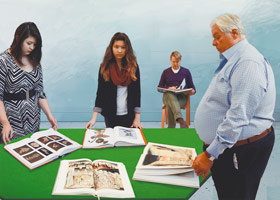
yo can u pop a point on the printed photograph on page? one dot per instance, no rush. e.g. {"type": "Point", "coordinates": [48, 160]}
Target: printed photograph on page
{"type": "Point", "coordinates": [79, 175]}
{"type": "Point", "coordinates": [107, 176]}
{"type": "Point", "coordinates": [127, 133]}
{"type": "Point", "coordinates": [98, 137]}
{"type": "Point", "coordinates": [168, 156]}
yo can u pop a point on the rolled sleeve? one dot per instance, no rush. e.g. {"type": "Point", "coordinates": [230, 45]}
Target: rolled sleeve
{"type": "Point", "coordinates": [137, 109]}
{"type": "Point", "coordinates": [97, 109]}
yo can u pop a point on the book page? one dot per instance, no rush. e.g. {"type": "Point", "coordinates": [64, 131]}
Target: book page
{"type": "Point", "coordinates": [159, 170]}
{"type": "Point", "coordinates": [107, 176]}
{"type": "Point", "coordinates": [99, 178]}
{"type": "Point", "coordinates": [128, 136]}
{"type": "Point", "coordinates": [182, 85]}
{"type": "Point", "coordinates": [98, 138]}
{"type": "Point", "coordinates": [166, 156]}
{"type": "Point", "coordinates": [79, 175]}
{"type": "Point", "coordinates": [54, 142]}
{"type": "Point", "coordinates": [41, 147]}
{"type": "Point", "coordinates": [27, 151]}
{"type": "Point", "coordinates": [74, 177]}
{"type": "Point", "coordinates": [162, 90]}
{"type": "Point", "coordinates": [188, 179]}
{"type": "Point", "coordinates": [111, 179]}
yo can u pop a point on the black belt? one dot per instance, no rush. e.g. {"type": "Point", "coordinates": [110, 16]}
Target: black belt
{"type": "Point", "coordinates": [19, 96]}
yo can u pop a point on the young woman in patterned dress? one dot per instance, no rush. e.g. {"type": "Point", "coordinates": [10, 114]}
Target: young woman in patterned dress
{"type": "Point", "coordinates": [21, 85]}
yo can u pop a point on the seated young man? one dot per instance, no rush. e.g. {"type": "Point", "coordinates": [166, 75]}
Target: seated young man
{"type": "Point", "coordinates": [176, 77]}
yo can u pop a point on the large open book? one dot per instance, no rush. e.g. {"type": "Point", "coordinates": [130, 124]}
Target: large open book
{"type": "Point", "coordinates": [177, 91]}
{"type": "Point", "coordinates": [180, 89]}
{"type": "Point", "coordinates": [167, 164]}
{"type": "Point", "coordinates": [98, 178]}
{"type": "Point", "coordinates": [118, 136]}
{"type": "Point", "coordinates": [41, 148]}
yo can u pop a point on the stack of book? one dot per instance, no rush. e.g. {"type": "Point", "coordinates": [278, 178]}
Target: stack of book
{"type": "Point", "coordinates": [167, 164]}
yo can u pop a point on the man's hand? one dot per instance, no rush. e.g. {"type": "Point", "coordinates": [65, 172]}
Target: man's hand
{"type": "Point", "coordinates": [202, 165]}
{"type": "Point", "coordinates": [172, 88]}
{"type": "Point", "coordinates": [191, 92]}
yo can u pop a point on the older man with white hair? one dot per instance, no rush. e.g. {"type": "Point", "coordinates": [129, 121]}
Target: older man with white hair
{"type": "Point", "coordinates": [235, 116]}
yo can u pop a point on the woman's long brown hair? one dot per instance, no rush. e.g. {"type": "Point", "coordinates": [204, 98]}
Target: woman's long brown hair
{"type": "Point", "coordinates": [22, 32]}
{"type": "Point", "coordinates": [128, 61]}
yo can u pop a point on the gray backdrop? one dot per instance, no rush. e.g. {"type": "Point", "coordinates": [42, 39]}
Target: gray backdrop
{"type": "Point", "coordinates": [76, 33]}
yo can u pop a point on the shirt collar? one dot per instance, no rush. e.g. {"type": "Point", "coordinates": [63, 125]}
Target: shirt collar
{"type": "Point", "coordinates": [175, 71]}
{"type": "Point", "coordinates": [230, 52]}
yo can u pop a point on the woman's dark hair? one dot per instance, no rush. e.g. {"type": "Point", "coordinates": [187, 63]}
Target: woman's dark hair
{"type": "Point", "coordinates": [22, 32]}
{"type": "Point", "coordinates": [128, 61]}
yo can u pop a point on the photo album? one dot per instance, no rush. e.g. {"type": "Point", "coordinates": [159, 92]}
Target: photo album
{"type": "Point", "coordinates": [41, 148]}
{"type": "Point", "coordinates": [113, 137]}
{"type": "Point", "coordinates": [167, 164]}
{"type": "Point", "coordinates": [99, 178]}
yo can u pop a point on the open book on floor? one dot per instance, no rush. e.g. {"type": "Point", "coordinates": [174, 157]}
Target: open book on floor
{"type": "Point", "coordinates": [161, 163]}
{"type": "Point", "coordinates": [41, 148]}
{"type": "Point", "coordinates": [110, 137]}
{"type": "Point", "coordinates": [98, 178]}
{"type": "Point", "coordinates": [177, 91]}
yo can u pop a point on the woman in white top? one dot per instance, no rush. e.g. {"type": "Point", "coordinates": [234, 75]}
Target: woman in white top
{"type": "Point", "coordinates": [118, 94]}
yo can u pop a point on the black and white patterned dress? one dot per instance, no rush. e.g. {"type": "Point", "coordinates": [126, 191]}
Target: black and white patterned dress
{"type": "Point", "coordinates": [23, 115]}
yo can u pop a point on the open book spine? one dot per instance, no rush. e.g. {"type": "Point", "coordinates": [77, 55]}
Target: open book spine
{"type": "Point", "coordinates": [84, 139]}
{"type": "Point", "coordinates": [144, 139]}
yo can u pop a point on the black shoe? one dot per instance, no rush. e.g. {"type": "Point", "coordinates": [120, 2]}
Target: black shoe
{"type": "Point", "coordinates": [182, 123]}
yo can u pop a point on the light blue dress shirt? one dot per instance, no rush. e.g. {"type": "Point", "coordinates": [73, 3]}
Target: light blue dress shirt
{"type": "Point", "coordinates": [240, 100]}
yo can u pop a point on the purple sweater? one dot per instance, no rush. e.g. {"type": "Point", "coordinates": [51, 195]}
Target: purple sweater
{"type": "Point", "coordinates": [169, 78]}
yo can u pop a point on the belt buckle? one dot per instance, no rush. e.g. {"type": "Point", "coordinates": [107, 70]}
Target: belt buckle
{"type": "Point", "coordinates": [27, 94]}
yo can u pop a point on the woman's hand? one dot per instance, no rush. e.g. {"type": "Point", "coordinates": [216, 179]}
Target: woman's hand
{"type": "Point", "coordinates": [53, 122]}
{"type": "Point", "coordinates": [93, 120]}
{"type": "Point", "coordinates": [90, 124]}
{"type": "Point", "coordinates": [46, 109]}
{"type": "Point", "coordinates": [136, 122]}
{"type": "Point", "coordinates": [7, 132]}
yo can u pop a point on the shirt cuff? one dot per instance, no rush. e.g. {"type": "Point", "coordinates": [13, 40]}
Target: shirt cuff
{"type": "Point", "coordinates": [97, 109]}
{"type": "Point", "coordinates": [216, 148]}
{"type": "Point", "coordinates": [137, 109]}
{"type": "Point", "coordinates": [42, 95]}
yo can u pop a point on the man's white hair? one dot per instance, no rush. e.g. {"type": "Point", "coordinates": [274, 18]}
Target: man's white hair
{"type": "Point", "coordinates": [228, 22]}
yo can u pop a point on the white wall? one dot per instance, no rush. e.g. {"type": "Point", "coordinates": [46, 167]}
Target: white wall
{"type": "Point", "coordinates": [76, 33]}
